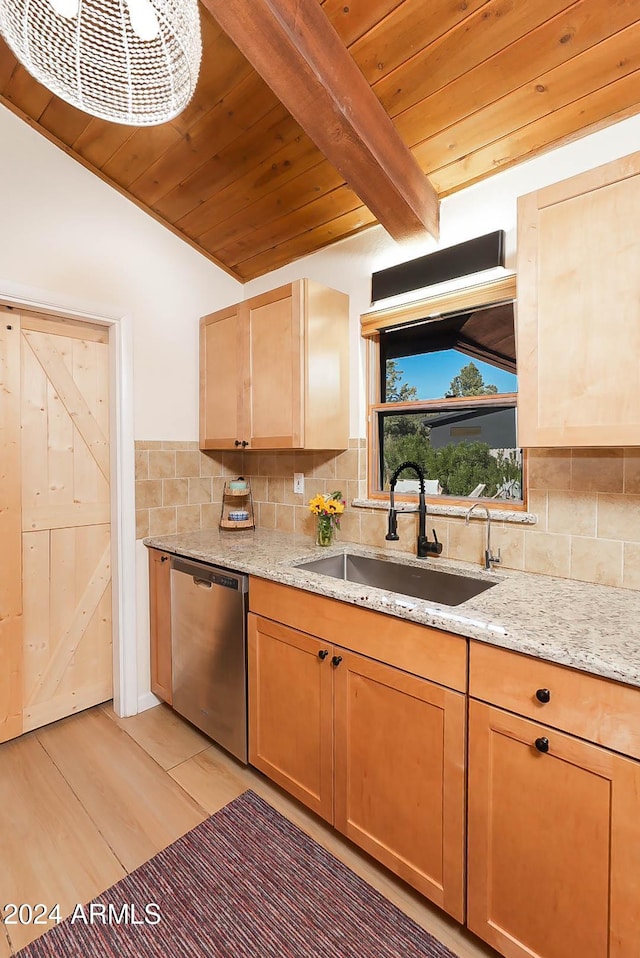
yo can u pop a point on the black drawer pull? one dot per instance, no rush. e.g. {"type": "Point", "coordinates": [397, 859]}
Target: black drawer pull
{"type": "Point", "coordinates": [323, 653]}
{"type": "Point", "coordinates": [543, 695]}
{"type": "Point", "coordinates": [336, 660]}
{"type": "Point", "coordinates": [542, 744]}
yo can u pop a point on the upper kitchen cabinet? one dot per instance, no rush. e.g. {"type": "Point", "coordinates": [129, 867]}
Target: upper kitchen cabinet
{"type": "Point", "coordinates": [578, 316]}
{"type": "Point", "coordinates": [274, 371]}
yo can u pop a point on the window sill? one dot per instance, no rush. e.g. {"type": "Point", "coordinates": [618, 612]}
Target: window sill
{"type": "Point", "coordinates": [457, 512]}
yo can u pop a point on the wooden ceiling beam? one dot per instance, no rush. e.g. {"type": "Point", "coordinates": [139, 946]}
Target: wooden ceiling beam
{"type": "Point", "coordinates": [298, 53]}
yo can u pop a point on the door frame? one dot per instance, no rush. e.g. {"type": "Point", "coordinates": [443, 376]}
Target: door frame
{"type": "Point", "coordinates": [122, 469]}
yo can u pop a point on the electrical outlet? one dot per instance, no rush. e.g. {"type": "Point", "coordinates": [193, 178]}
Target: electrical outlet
{"type": "Point", "coordinates": [298, 482]}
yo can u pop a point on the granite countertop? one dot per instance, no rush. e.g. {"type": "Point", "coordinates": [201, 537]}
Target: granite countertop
{"type": "Point", "coordinates": [589, 627]}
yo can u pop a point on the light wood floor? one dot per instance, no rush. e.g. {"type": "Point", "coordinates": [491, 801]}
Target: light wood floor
{"type": "Point", "coordinates": [88, 799]}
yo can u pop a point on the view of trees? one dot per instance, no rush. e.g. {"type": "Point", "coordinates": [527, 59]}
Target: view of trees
{"type": "Point", "coordinates": [459, 466]}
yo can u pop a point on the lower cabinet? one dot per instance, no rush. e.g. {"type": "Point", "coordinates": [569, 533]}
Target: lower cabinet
{"type": "Point", "coordinates": [376, 751]}
{"type": "Point", "coordinates": [160, 623]}
{"type": "Point", "coordinates": [553, 827]}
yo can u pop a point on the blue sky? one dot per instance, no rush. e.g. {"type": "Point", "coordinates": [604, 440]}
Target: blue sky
{"type": "Point", "coordinates": [432, 373]}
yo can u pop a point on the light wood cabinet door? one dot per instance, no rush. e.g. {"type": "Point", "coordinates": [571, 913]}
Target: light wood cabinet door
{"type": "Point", "coordinates": [222, 379]}
{"type": "Point", "coordinates": [554, 841]}
{"type": "Point", "coordinates": [160, 623]}
{"type": "Point", "coordinates": [274, 413]}
{"type": "Point", "coordinates": [290, 712]}
{"type": "Point", "coordinates": [399, 774]}
{"type": "Point", "coordinates": [578, 336]}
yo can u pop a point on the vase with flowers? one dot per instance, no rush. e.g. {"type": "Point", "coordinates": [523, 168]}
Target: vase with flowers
{"type": "Point", "coordinates": [327, 510]}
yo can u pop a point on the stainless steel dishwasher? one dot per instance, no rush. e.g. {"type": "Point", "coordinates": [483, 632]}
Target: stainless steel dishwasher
{"type": "Point", "coordinates": [209, 650]}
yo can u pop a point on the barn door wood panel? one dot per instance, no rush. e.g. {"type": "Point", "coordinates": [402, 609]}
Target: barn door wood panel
{"type": "Point", "coordinates": [67, 634]}
{"type": "Point", "coordinates": [10, 529]}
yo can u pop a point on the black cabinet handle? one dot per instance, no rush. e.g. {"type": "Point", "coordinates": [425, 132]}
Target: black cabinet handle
{"type": "Point", "coordinates": [323, 653]}
{"type": "Point", "coordinates": [163, 558]}
{"type": "Point", "coordinates": [543, 695]}
{"type": "Point", "coordinates": [237, 442]}
{"type": "Point", "coordinates": [542, 744]}
{"type": "Point", "coordinates": [244, 443]}
{"type": "Point", "coordinates": [336, 660]}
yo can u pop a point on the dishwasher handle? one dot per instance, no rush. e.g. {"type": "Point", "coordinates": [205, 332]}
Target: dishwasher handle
{"type": "Point", "coordinates": [206, 576]}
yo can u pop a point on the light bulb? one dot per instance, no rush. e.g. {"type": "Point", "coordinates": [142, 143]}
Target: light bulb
{"type": "Point", "coordinates": [143, 19]}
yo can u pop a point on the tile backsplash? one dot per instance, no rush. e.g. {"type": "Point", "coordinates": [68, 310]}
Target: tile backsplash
{"type": "Point", "coordinates": [587, 502]}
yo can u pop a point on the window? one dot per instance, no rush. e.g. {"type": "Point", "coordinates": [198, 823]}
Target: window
{"type": "Point", "coordinates": [446, 399]}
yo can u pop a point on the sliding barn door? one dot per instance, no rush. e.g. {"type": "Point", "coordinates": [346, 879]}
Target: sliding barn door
{"type": "Point", "coordinates": [66, 631]}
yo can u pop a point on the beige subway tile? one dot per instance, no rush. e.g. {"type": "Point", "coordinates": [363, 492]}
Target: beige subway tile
{"type": "Point", "coordinates": [200, 490]}
{"type": "Point", "coordinates": [467, 543]}
{"type": "Point", "coordinates": [572, 513]}
{"type": "Point", "coordinates": [233, 464]}
{"type": "Point", "coordinates": [619, 518]}
{"type": "Point", "coordinates": [352, 490]}
{"type": "Point", "coordinates": [148, 493]}
{"type": "Point", "coordinates": [188, 519]}
{"type": "Point", "coordinates": [363, 464]}
{"type": "Point", "coordinates": [547, 554]}
{"type": "Point", "coordinates": [283, 464]}
{"type": "Point", "coordinates": [509, 539]}
{"type": "Point", "coordinates": [632, 471]}
{"type": "Point", "coordinates": [259, 486]}
{"type": "Point", "coordinates": [211, 464]}
{"type": "Point", "coordinates": [217, 488]}
{"type": "Point", "coordinates": [303, 462]}
{"type": "Point", "coordinates": [209, 515]}
{"type": "Point", "coordinates": [324, 465]}
{"type": "Point", "coordinates": [162, 464]}
{"type": "Point", "coordinates": [285, 518]}
{"type": "Point", "coordinates": [148, 444]}
{"type": "Point", "coordinates": [549, 468]}
{"type": "Point", "coordinates": [347, 465]}
{"type": "Point", "coordinates": [314, 487]}
{"type": "Point", "coordinates": [187, 464]}
{"type": "Point", "coordinates": [631, 565]}
{"type": "Point", "coordinates": [267, 515]}
{"type": "Point", "coordinates": [305, 523]}
{"type": "Point", "coordinates": [162, 522]}
{"type": "Point", "coordinates": [292, 498]}
{"type": "Point", "coordinates": [537, 502]}
{"type": "Point", "coordinates": [275, 489]}
{"type": "Point", "coordinates": [597, 470]}
{"type": "Point", "coordinates": [175, 492]}
{"type": "Point", "coordinates": [142, 523]}
{"type": "Point", "coordinates": [181, 445]}
{"type": "Point", "coordinates": [373, 528]}
{"type": "Point", "coordinates": [350, 525]}
{"type": "Point", "coordinates": [407, 530]}
{"type": "Point", "coordinates": [142, 464]}
{"type": "Point", "coordinates": [596, 560]}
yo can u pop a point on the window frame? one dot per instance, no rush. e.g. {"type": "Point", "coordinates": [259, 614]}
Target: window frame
{"type": "Point", "coordinates": [372, 323]}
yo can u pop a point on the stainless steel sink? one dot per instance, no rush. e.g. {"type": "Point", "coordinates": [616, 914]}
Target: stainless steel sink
{"type": "Point", "coordinates": [447, 588]}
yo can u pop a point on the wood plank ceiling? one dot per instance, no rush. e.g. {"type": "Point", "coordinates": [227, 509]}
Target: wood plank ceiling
{"type": "Point", "coordinates": [472, 86]}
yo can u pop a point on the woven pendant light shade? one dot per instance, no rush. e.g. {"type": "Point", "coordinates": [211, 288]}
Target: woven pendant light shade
{"type": "Point", "coordinates": [129, 61]}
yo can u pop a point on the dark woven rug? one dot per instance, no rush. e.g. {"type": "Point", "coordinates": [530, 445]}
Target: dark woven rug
{"type": "Point", "coordinates": [246, 883]}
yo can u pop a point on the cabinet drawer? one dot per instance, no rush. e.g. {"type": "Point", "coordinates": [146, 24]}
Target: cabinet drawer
{"type": "Point", "coordinates": [429, 653]}
{"type": "Point", "coordinates": [588, 706]}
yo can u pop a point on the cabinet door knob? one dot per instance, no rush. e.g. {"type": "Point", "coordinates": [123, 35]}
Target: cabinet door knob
{"type": "Point", "coordinates": [163, 558]}
{"type": "Point", "coordinates": [244, 443]}
{"type": "Point", "coordinates": [323, 653]}
{"type": "Point", "coordinates": [542, 744]}
{"type": "Point", "coordinates": [237, 442]}
{"type": "Point", "coordinates": [336, 660]}
{"type": "Point", "coordinates": [543, 695]}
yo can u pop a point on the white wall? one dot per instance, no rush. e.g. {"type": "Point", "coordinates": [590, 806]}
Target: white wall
{"type": "Point", "coordinates": [69, 238]}
{"type": "Point", "coordinates": [487, 206]}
